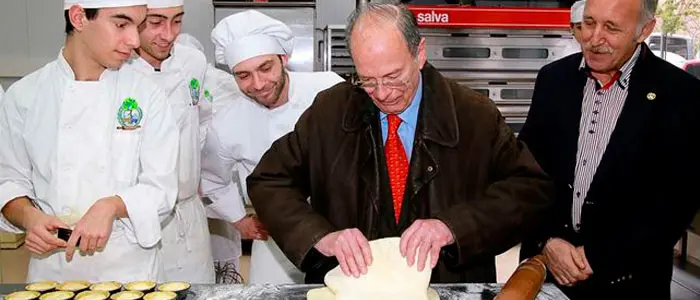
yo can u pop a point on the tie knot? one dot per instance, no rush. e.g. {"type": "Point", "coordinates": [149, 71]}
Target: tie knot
{"type": "Point", "coordinates": [394, 122]}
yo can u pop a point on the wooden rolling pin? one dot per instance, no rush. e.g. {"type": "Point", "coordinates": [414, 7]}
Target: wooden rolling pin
{"type": "Point", "coordinates": [526, 281]}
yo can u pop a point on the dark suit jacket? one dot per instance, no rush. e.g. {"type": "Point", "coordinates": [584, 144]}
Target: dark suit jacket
{"type": "Point", "coordinates": [467, 169]}
{"type": "Point", "coordinates": [643, 194]}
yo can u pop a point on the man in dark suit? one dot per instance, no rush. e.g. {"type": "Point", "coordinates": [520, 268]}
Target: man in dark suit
{"type": "Point", "coordinates": [404, 152]}
{"type": "Point", "coordinates": [616, 128]}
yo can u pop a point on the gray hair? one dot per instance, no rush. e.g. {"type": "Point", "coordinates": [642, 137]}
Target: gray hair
{"type": "Point", "coordinates": [398, 14]}
{"type": "Point", "coordinates": [647, 13]}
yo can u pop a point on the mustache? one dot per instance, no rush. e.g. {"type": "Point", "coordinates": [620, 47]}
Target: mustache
{"type": "Point", "coordinates": [599, 49]}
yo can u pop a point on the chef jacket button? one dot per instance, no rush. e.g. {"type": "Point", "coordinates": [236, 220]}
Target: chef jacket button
{"type": "Point", "coordinates": [612, 282]}
{"type": "Point", "coordinates": [430, 169]}
{"type": "Point", "coordinates": [566, 225]}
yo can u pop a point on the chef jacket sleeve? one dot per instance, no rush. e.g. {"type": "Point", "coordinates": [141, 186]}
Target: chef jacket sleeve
{"type": "Point", "coordinates": [15, 166]}
{"type": "Point", "coordinates": [153, 197]}
{"type": "Point", "coordinates": [217, 183]}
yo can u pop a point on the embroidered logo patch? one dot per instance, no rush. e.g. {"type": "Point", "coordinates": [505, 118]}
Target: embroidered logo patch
{"type": "Point", "coordinates": [129, 115]}
{"type": "Point", "coordinates": [194, 90]}
{"type": "Point", "coordinates": [208, 96]}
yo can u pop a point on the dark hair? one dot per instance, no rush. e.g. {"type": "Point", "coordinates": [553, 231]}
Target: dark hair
{"type": "Point", "coordinates": [90, 14]}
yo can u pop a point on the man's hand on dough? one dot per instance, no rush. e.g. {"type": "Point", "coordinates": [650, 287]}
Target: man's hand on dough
{"type": "Point", "coordinates": [426, 237]}
{"type": "Point", "coordinates": [350, 247]}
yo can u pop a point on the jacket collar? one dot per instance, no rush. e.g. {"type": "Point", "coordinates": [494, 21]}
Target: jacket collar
{"type": "Point", "coordinates": [437, 117]}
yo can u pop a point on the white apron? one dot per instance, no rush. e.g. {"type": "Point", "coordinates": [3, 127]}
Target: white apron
{"type": "Point", "coordinates": [186, 245]}
{"type": "Point", "coordinates": [236, 139]}
{"type": "Point", "coordinates": [68, 143]}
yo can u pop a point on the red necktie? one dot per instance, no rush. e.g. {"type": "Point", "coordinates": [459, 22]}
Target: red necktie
{"type": "Point", "coordinates": [396, 163]}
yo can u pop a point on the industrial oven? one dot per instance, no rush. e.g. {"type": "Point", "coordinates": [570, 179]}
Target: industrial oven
{"type": "Point", "coordinates": [493, 47]}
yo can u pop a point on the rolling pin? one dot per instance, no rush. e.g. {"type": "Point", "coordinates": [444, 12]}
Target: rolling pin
{"type": "Point", "coordinates": [526, 281]}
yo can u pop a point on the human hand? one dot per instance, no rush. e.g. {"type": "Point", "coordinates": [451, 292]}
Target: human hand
{"type": "Point", "coordinates": [588, 271]}
{"type": "Point", "coordinates": [425, 237]}
{"type": "Point", "coordinates": [94, 228]}
{"type": "Point", "coordinates": [39, 227]}
{"type": "Point", "coordinates": [350, 247]}
{"type": "Point", "coordinates": [564, 262]}
{"type": "Point", "coordinates": [250, 227]}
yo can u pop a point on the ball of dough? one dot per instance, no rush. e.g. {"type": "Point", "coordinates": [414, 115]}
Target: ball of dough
{"type": "Point", "coordinates": [388, 277]}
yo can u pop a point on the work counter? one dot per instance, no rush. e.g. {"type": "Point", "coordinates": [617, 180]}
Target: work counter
{"type": "Point", "coordinates": [298, 292]}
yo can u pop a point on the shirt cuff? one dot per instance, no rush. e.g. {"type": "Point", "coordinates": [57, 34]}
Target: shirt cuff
{"type": "Point", "coordinates": [10, 191]}
{"type": "Point", "coordinates": [143, 219]}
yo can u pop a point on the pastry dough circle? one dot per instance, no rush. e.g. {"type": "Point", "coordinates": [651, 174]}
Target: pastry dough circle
{"type": "Point", "coordinates": [388, 277]}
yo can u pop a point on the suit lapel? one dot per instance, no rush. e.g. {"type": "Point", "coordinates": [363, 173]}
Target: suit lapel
{"type": "Point", "coordinates": [371, 161]}
{"type": "Point", "coordinates": [437, 125]}
{"type": "Point", "coordinates": [572, 98]}
{"type": "Point", "coordinates": [633, 121]}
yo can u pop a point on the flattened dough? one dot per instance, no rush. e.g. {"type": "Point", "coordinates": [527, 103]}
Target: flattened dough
{"type": "Point", "coordinates": [388, 277]}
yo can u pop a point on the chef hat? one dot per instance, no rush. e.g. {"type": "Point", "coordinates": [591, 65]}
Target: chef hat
{"type": "Point", "coordinates": [577, 11]}
{"type": "Point", "coordinates": [189, 41]}
{"type": "Point", "coordinates": [249, 34]}
{"type": "Point", "coordinates": [102, 3]}
{"type": "Point", "coordinates": [165, 3]}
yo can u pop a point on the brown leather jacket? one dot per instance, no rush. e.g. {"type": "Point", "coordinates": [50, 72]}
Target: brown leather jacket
{"type": "Point", "coordinates": [467, 169]}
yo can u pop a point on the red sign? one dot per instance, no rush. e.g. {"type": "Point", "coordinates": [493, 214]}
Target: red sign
{"type": "Point", "coordinates": [491, 17]}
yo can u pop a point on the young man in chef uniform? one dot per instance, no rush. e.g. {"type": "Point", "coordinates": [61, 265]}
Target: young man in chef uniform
{"type": "Point", "coordinates": [90, 145]}
{"type": "Point", "coordinates": [256, 48]}
{"type": "Point", "coordinates": [220, 89]}
{"type": "Point", "coordinates": [179, 71]}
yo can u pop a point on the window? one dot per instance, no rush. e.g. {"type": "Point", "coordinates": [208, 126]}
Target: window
{"type": "Point", "coordinates": [678, 45]}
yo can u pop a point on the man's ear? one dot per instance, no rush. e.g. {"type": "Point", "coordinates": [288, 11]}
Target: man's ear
{"type": "Point", "coordinates": [284, 59]}
{"type": "Point", "coordinates": [76, 16]}
{"type": "Point", "coordinates": [421, 55]}
{"type": "Point", "coordinates": [646, 30]}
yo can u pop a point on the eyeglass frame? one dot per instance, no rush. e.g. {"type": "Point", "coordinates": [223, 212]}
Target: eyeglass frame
{"type": "Point", "coordinates": [394, 84]}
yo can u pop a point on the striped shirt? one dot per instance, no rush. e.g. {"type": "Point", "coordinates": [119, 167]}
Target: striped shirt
{"type": "Point", "coordinates": [600, 110]}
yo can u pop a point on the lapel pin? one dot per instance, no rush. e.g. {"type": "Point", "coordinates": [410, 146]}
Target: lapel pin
{"type": "Point", "coordinates": [651, 96]}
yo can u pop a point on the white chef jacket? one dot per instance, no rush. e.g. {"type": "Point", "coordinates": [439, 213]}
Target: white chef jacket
{"type": "Point", "coordinates": [2, 93]}
{"type": "Point", "coordinates": [221, 87]}
{"type": "Point", "coordinates": [64, 146]}
{"type": "Point", "coordinates": [237, 138]}
{"type": "Point", "coordinates": [186, 244]}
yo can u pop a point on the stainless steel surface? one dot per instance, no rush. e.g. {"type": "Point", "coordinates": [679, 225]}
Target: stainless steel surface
{"type": "Point", "coordinates": [504, 50]}
{"type": "Point", "coordinates": [502, 64]}
{"type": "Point", "coordinates": [298, 291]}
{"type": "Point", "coordinates": [299, 19]}
{"type": "Point", "coordinates": [223, 3]}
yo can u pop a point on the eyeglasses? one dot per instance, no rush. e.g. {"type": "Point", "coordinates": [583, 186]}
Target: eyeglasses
{"type": "Point", "coordinates": [370, 85]}
{"type": "Point", "coordinates": [391, 83]}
